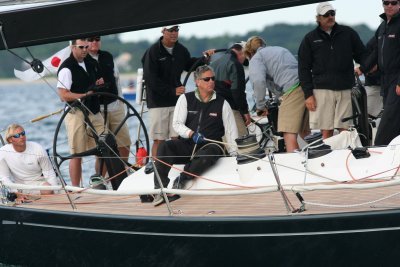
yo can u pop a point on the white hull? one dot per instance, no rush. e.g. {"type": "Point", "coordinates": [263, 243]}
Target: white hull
{"type": "Point", "coordinates": [293, 169]}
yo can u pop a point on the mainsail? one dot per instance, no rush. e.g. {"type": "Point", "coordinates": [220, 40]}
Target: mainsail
{"type": "Point", "coordinates": [53, 21]}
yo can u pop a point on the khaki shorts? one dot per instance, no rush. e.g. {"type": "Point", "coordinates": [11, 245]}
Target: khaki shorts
{"type": "Point", "coordinates": [161, 123]}
{"type": "Point", "coordinates": [332, 107]}
{"type": "Point", "coordinates": [293, 114]}
{"type": "Point", "coordinates": [114, 118]}
{"type": "Point", "coordinates": [242, 129]}
{"type": "Point", "coordinates": [79, 136]}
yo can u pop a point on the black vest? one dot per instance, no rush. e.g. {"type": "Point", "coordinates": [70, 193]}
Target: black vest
{"type": "Point", "coordinates": [205, 118]}
{"type": "Point", "coordinates": [82, 80]}
{"type": "Point", "coordinates": [105, 66]}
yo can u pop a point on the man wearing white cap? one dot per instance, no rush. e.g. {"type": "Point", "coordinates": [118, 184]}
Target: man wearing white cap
{"type": "Point", "coordinates": [326, 70]}
{"type": "Point", "coordinates": [163, 64]}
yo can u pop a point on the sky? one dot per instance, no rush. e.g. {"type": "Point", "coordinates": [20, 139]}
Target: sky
{"type": "Point", "coordinates": [349, 12]}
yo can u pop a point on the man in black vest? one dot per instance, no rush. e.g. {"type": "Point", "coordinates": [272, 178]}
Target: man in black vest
{"type": "Point", "coordinates": [76, 76]}
{"type": "Point", "coordinates": [198, 115]}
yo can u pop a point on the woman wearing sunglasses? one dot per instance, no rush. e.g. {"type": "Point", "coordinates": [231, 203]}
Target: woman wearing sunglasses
{"type": "Point", "coordinates": [25, 162]}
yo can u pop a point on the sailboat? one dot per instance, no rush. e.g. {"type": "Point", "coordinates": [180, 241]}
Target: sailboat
{"type": "Point", "coordinates": [338, 208]}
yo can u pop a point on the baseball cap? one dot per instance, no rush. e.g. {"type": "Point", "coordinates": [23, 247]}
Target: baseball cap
{"type": "Point", "coordinates": [324, 7]}
{"type": "Point", "coordinates": [238, 45]}
{"type": "Point", "coordinates": [169, 27]}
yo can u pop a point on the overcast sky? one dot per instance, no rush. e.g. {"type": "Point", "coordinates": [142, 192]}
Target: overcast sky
{"type": "Point", "coordinates": [349, 12]}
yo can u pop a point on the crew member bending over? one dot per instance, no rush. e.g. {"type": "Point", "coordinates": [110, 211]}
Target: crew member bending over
{"type": "Point", "coordinates": [198, 115]}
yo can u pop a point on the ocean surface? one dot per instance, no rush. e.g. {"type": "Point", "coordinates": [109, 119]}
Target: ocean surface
{"type": "Point", "coordinates": [22, 102]}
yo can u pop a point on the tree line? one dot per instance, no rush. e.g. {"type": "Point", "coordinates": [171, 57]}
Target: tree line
{"type": "Point", "coordinates": [285, 35]}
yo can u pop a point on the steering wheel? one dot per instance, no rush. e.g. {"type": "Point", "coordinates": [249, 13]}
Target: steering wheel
{"type": "Point", "coordinates": [105, 141]}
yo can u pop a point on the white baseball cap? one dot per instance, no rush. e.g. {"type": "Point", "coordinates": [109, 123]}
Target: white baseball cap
{"type": "Point", "coordinates": [324, 7]}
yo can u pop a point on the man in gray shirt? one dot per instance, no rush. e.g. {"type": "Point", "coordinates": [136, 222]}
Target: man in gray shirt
{"type": "Point", "coordinates": [275, 68]}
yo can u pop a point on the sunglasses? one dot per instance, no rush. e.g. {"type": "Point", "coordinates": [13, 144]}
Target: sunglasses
{"type": "Point", "coordinates": [207, 79]}
{"type": "Point", "coordinates": [172, 30]}
{"type": "Point", "coordinates": [329, 13]}
{"type": "Point", "coordinates": [18, 135]}
{"type": "Point", "coordinates": [97, 39]}
{"type": "Point", "coordinates": [393, 3]}
{"type": "Point", "coordinates": [82, 46]}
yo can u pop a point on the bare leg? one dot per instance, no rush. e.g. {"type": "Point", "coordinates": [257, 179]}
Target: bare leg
{"type": "Point", "coordinates": [75, 171]}
{"type": "Point", "coordinates": [46, 192]}
{"type": "Point", "coordinates": [326, 133]}
{"type": "Point", "coordinates": [290, 141]}
{"type": "Point", "coordinates": [124, 152]}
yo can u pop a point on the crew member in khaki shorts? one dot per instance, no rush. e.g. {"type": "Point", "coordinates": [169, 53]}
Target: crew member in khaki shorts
{"type": "Point", "coordinates": [79, 135]}
{"type": "Point", "coordinates": [161, 123]}
{"type": "Point", "coordinates": [115, 115]}
{"type": "Point", "coordinates": [332, 106]}
{"type": "Point", "coordinates": [293, 118]}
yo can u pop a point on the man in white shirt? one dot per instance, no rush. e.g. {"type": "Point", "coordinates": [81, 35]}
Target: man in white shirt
{"type": "Point", "coordinates": [25, 162]}
{"type": "Point", "coordinates": [76, 76]}
{"type": "Point", "coordinates": [198, 115]}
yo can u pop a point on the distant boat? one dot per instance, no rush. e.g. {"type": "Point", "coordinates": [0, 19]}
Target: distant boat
{"type": "Point", "coordinates": [129, 92]}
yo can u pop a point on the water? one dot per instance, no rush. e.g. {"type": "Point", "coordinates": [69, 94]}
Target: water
{"type": "Point", "coordinates": [21, 102]}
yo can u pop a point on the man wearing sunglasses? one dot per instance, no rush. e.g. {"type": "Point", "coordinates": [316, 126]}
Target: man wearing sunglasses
{"type": "Point", "coordinates": [115, 109]}
{"type": "Point", "coordinates": [387, 56]}
{"type": "Point", "coordinates": [25, 162]}
{"type": "Point", "coordinates": [326, 71]}
{"type": "Point", "coordinates": [76, 76]}
{"type": "Point", "coordinates": [163, 64]}
{"type": "Point", "coordinates": [198, 115]}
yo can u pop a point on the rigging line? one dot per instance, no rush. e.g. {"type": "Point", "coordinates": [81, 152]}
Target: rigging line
{"type": "Point", "coordinates": [309, 171]}
{"type": "Point", "coordinates": [6, 46]}
{"type": "Point", "coordinates": [202, 177]}
{"type": "Point", "coordinates": [277, 164]}
{"type": "Point", "coordinates": [42, 77]}
{"type": "Point", "coordinates": [351, 205]}
{"type": "Point", "coordinates": [87, 109]}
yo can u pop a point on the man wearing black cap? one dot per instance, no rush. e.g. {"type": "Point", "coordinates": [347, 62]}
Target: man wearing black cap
{"type": "Point", "coordinates": [163, 64]}
{"type": "Point", "coordinates": [230, 83]}
{"type": "Point", "coordinates": [387, 56]}
{"type": "Point", "coordinates": [115, 108]}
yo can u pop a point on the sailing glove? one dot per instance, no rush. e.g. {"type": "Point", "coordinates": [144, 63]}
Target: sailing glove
{"type": "Point", "coordinates": [198, 138]}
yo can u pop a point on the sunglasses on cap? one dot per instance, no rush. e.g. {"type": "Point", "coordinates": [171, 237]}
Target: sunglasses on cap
{"type": "Point", "coordinates": [329, 13]}
{"type": "Point", "coordinates": [207, 79]}
{"type": "Point", "coordinates": [18, 135]}
{"type": "Point", "coordinates": [175, 29]}
{"type": "Point", "coordinates": [393, 3]}
{"type": "Point", "coordinates": [92, 39]}
{"type": "Point", "coordinates": [82, 46]}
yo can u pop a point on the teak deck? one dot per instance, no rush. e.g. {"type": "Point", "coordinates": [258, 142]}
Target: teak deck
{"type": "Point", "coordinates": [267, 204]}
